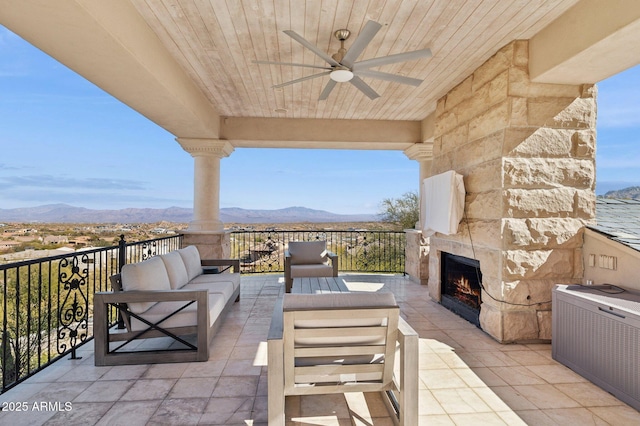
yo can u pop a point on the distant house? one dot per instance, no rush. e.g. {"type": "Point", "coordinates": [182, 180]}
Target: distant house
{"type": "Point", "coordinates": [56, 239]}
{"type": "Point", "coordinates": [34, 254]}
{"type": "Point", "coordinates": [8, 244]}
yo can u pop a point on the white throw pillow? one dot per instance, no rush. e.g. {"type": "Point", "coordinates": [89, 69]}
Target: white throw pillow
{"type": "Point", "coordinates": [176, 270]}
{"type": "Point", "coordinates": [191, 257]}
{"type": "Point", "coordinates": [148, 275]}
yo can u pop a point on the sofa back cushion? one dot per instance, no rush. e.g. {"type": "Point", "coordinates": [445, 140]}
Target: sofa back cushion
{"type": "Point", "coordinates": [191, 258]}
{"type": "Point", "coordinates": [148, 275]}
{"type": "Point", "coordinates": [307, 252]}
{"type": "Point", "coordinates": [338, 334]}
{"type": "Point", "coordinates": [176, 270]}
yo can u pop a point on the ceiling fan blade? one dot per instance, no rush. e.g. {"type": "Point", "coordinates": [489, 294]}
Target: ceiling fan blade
{"type": "Point", "coordinates": [364, 87]}
{"type": "Point", "coordinates": [392, 59]}
{"type": "Point", "coordinates": [369, 31]}
{"type": "Point", "coordinates": [389, 77]}
{"type": "Point", "coordinates": [309, 77]}
{"type": "Point", "coordinates": [327, 89]}
{"type": "Point", "coordinates": [311, 47]}
{"type": "Point", "coordinates": [290, 64]}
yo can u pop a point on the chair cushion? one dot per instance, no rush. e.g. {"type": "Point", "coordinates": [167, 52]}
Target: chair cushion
{"type": "Point", "coordinates": [176, 270]}
{"type": "Point", "coordinates": [307, 252]}
{"type": "Point", "coordinates": [148, 275]}
{"type": "Point", "coordinates": [225, 288]}
{"type": "Point", "coordinates": [338, 301]}
{"type": "Point", "coordinates": [361, 300]}
{"type": "Point", "coordinates": [191, 257]}
{"type": "Point", "coordinates": [186, 317]}
{"type": "Point", "coordinates": [317, 270]}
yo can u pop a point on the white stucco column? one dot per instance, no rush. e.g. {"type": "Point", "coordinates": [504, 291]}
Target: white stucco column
{"type": "Point", "coordinates": [417, 248]}
{"type": "Point", "coordinates": [206, 189]}
{"type": "Point", "coordinates": [423, 153]}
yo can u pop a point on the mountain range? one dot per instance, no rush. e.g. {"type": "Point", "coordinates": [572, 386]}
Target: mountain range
{"type": "Point", "coordinates": [64, 213]}
{"type": "Point", "coordinates": [633, 192]}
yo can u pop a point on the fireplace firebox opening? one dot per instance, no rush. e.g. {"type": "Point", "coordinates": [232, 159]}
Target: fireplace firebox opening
{"type": "Point", "coordinates": [461, 286]}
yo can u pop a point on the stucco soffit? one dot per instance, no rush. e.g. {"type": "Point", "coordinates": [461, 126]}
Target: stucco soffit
{"type": "Point", "coordinates": [593, 40]}
{"type": "Point", "coordinates": [428, 127]}
{"type": "Point", "coordinates": [319, 133]}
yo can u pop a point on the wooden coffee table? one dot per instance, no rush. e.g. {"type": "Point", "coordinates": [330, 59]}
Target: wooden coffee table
{"type": "Point", "coordinates": [319, 285]}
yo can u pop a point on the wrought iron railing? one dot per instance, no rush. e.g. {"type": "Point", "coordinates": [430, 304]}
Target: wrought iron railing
{"type": "Point", "coordinates": [47, 303]}
{"type": "Point", "coordinates": [357, 250]}
{"type": "Point", "coordinates": [46, 310]}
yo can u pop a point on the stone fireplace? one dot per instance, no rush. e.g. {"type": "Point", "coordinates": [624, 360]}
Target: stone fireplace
{"type": "Point", "coordinates": [460, 286]}
{"type": "Point", "coordinates": [526, 151]}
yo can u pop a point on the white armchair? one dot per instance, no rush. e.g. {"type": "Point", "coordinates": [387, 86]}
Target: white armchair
{"type": "Point", "coordinates": [308, 259]}
{"type": "Point", "coordinates": [338, 343]}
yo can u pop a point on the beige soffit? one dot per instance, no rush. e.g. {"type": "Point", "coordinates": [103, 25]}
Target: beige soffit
{"type": "Point", "coordinates": [592, 41]}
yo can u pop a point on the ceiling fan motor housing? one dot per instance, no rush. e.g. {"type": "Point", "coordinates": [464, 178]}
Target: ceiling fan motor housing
{"type": "Point", "coordinates": [341, 35]}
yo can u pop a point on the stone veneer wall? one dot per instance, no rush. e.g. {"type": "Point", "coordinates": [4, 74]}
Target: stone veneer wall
{"type": "Point", "coordinates": [416, 256]}
{"type": "Point", "coordinates": [527, 152]}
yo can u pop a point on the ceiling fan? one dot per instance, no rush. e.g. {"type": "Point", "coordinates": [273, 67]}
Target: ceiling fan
{"type": "Point", "coordinates": [343, 66]}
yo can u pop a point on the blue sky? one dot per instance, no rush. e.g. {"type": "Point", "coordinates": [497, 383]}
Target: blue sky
{"type": "Point", "coordinates": [63, 140]}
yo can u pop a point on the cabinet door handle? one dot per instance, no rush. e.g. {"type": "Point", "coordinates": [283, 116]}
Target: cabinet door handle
{"type": "Point", "coordinates": [611, 312]}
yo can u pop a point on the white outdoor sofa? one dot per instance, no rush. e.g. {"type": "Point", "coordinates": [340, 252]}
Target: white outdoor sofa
{"type": "Point", "coordinates": [171, 295]}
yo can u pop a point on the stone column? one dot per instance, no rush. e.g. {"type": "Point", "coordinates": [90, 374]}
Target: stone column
{"type": "Point", "coordinates": [417, 247]}
{"type": "Point", "coordinates": [206, 231]}
{"type": "Point", "coordinates": [423, 153]}
{"type": "Point", "coordinates": [527, 154]}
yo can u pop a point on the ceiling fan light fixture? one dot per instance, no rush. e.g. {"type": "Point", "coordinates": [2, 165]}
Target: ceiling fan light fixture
{"type": "Point", "coordinates": [341, 76]}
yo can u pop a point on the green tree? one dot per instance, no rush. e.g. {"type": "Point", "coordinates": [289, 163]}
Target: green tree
{"type": "Point", "coordinates": [404, 212]}
{"type": "Point", "coordinates": [31, 319]}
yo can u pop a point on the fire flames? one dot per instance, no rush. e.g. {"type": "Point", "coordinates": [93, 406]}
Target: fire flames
{"type": "Point", "coordinates": [465, 291]}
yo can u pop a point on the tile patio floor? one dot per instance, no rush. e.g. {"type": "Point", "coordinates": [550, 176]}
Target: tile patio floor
{"type": "Point", "coordinates": [466, 378]}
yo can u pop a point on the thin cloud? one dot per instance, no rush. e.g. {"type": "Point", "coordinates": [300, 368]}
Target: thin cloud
{"type": "Point", "coordinates": [50, 99]}
{"type": "Point", "coordinates": [7, 167]}
{"type": "Point", "coordinates": [632, 163]}
{"type": "Point", "coordinates": [50, 181]}
{"type": "Point", "coordinates": [620, 116]}
{"type": "Point", "coordinates": [87, 199]}
{"type": "Point", "coordinates": [618, 105]}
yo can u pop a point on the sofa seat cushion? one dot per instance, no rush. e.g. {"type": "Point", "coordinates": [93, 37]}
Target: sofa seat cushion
{"type": "Point", "coordinates": [225, 288]}
{"type": "Point", "coordinates": [186, 317]}
{"type": "Point", "coordinates": [144, 276]}
{"type": "Point", "coordinates": [307, 252]}
{"type": "Point", "coordinates": [176, 270]}
{"type": "Point", "coordinates": [215, 278]}
{"type": "Point", "coordinates": [318, 270]}
{"type": "Point", "coordinates": [191, 258]}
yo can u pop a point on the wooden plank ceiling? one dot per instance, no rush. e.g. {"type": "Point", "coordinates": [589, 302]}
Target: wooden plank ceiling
{"type": "Point", "coordinates": [216, 42]}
